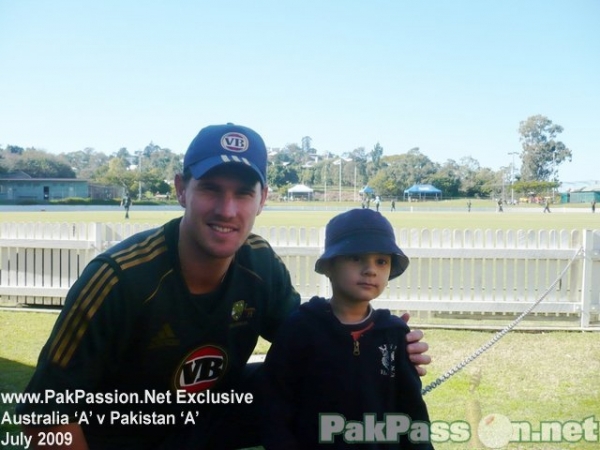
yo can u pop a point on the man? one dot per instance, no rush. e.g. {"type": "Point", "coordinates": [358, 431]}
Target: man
{"type": "Point", "coordinates": [126, 203]}
{"type": "Point", "coordinates": [174, 310]}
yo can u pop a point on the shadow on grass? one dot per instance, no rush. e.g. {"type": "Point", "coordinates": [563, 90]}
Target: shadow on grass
{"type": "Point", "coordinates": [14, 378]}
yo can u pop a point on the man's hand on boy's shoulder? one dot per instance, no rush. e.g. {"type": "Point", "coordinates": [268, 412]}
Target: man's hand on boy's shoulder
{"type": "Point", "coordinates": [416, 348]}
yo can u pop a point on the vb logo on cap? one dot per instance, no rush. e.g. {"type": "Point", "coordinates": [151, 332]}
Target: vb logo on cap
{"type": "Point", "coordinates": [226, 144]}
{"type": "Point", "coordinates": [234, 142]}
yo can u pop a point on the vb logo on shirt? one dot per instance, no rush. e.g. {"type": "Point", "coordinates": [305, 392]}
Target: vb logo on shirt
{"type": "Point", "coordinates": [201, 369]}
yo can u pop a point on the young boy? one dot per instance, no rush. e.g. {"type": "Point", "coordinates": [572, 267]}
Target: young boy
{"type": "Point", "coordinates": [338, 373]}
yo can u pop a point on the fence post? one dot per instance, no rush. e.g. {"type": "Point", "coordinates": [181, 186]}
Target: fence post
{"type": "Point", "coordinates": [97, 229]}
{"type": "Point", "coordinates": [588, 277]}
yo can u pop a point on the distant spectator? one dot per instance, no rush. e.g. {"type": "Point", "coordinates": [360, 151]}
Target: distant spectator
{"type": "Point", "coordinates": [547, 206]}
{"type": "Point", "coordinates": [126, 203]}
{"type": "Point", "coordinates": [594, 205]}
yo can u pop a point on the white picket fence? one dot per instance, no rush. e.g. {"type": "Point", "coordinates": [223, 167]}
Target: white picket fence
{"type": "Point", "coordinates": [451, 271]}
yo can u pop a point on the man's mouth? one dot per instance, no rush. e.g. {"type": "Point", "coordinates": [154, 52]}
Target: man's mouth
{"type": "Point", "coordinates": [222, 229]}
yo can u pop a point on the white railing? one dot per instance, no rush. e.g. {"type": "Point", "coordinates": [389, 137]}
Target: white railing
{"type": "Point", "coordinates": [451, 271]}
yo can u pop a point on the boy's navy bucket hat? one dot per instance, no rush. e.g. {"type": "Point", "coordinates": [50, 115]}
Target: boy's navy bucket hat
{"type": "Point", "coordinates": [226, 144]}
{"type": "Point", "coordinates": [361, 231]}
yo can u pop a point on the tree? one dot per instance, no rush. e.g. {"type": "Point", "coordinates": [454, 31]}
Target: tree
{"type": "Point", "coordinates": [447, 178]}
{"type": "Point", "coordinates": [412, 168]}
{"type": "Point", "coordinates": [86, 162]}
{"type": "Point", "coordinates": [39, 164]}
{"type": "Point", "coordinates": [487, 182]}
{"type": "Point", "coordinates": [534, 188]}
{"type": "Point", "coordinates": [15, 150]}
{"type": "Point", "coordinates": [281, 174]}
{"type": "Point", "coordinates": [116, 172]}
{"type": "Point", "coordinates": [376, 155]}
{"type": "Point", "coordinates": [542, 153]}
{"type": "Point", "coordinates": [306, 144]}
{"type": "Point", "coordinates": [388, 182]}
{"type": "Point", "coordinates": [359, 159]}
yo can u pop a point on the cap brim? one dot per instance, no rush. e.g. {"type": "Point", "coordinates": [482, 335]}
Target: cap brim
{"type": "Point", "coordinates": [199, 169]}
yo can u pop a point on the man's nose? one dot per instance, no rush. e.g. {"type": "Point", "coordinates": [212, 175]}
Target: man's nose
{"type": "Point", "coordinates": [226, 206]}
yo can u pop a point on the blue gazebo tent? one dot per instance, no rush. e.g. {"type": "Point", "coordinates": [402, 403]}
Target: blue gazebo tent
{"type": "Point", "coordinates": [423, 192]}
{"type": "Point", "coordinates": [367, 190]}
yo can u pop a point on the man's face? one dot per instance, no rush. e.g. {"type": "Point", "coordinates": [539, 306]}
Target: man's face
{"type": "Point", "coordinates": [220, 209]}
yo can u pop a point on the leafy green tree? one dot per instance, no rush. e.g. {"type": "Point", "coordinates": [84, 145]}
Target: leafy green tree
{"type": "Point", "coordinates": [493, 183]}
{"type": "Point", "coordinates": [281, 174]}
{"type": "Point", "coordinates": [413, 167]}
{"type": "Point", "coordinates": [387, 182]}
{"type": "Point", "coordinates": [535, 188]}
{"type": "Point", "coordinates": [358, 166]}
{"type": "Point", "coordinates": [447, 179]}
{"type": "Point", "coordinates": [159, 165]}
{"type": "Point", "coordinates": [468, 168]}
{"type": "Point", "coordinates": [15, 150]}
{"type": "Point", "coordinates": [376, 155]}
{"type": "Point", "coordinates": [86, 162]}
{"type": "Point", "coordinates": [542, 153]}
{"type": "Point", "coordinates": [117, 173]}
{"type": "Point", "coordinates": [40, 164]}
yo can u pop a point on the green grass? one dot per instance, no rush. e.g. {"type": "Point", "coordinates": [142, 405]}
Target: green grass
{"type": "Point", "coordinates": [526, 376]}
{"type": "Point", "coordinates": [22, 337]}
{"type": "Point", "coordinates": [531, 377]}
{"type": "Point", "coordinates": [451, 214]}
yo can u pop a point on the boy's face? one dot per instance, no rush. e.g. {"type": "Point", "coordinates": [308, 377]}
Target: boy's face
{"type": "Point", "coordinates": [359, 278]}
{"type": "Point", "coordinates": [220, 209]}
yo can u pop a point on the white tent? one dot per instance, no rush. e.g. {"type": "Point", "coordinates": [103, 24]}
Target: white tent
{"type": "Point", "coordinates": [300, 190]}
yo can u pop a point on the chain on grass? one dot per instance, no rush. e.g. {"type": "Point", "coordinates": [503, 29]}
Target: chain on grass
{"type": "Point", "coordinates": [498, 335]}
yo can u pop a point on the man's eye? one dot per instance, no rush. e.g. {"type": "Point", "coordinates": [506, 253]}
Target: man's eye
{"type": "Point", "coordinates": [207, 187]}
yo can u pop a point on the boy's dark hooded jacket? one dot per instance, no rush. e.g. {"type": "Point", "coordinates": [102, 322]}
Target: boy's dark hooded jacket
{"type": "Point", "coordinates": [317, 366]}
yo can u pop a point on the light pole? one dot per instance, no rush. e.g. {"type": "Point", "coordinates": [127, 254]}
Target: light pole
{"type": "Point", "coordinates": [355, 181]}
{"type": "Point", "coordinates": [554, 173]}
{"type": "Point", "coordinates": [340, 185]}
{"type": "Point", "coordinates": [140, 175]}
{"type": "Point", "coordinates": [512, 177]}
{"type": "Point", "coordinates": [338, 162]}
{"type": "Point", "coordinates": [325, 183]}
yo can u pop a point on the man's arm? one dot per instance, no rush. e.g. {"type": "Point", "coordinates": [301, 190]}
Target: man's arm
{"type": "Point", "coordinates": [71, 437]}
{"type": "Point", "coordinates": [416, 349]}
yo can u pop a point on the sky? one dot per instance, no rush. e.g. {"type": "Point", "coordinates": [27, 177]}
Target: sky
{"type": "Point", "coordinates": [453, 78]}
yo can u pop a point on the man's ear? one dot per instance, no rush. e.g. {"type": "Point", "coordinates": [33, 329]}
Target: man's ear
{"type": "Point", "coordinates": [263, 199]}
{"type": "Point", "coordinates": [180, 189]}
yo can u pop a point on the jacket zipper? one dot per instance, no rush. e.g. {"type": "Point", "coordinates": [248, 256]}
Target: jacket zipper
{"type": "Point", "coordinates": [356, 335]}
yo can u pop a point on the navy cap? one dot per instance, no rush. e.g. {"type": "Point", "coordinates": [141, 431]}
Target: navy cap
{"type": "Point", "coordinates": [360, 231]}
{"type": "Point", "coordinates": [226, 144]}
